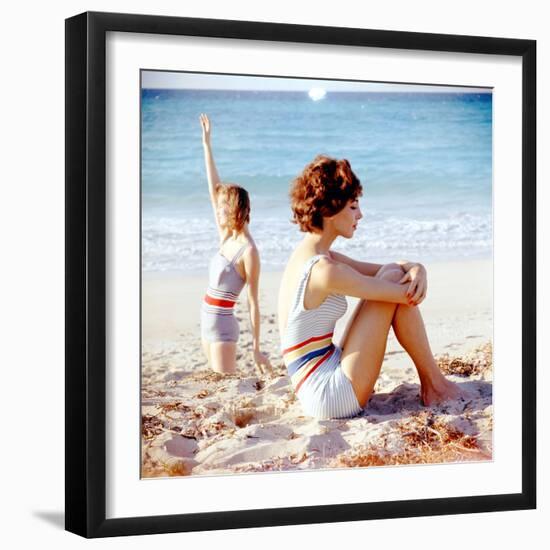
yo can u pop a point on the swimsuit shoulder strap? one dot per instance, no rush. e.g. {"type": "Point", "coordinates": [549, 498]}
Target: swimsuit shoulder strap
{"type": "Point", "coordinates": [239, 253]}
{"type": "Point", "coordinates": [304, 278]}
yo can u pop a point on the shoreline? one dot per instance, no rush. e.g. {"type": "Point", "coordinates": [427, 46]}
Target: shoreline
{"type": "Point", "coordinates": [171, 302]}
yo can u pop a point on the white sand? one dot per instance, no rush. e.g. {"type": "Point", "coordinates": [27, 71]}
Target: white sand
{"type": "Point", "coordinates": [253, 422]}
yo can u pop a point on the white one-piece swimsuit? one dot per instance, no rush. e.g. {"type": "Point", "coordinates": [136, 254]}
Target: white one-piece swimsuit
{"type": "Point", "coordinates": [311, 358]}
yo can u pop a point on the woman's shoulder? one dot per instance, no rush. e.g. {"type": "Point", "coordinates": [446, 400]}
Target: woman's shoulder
{"type": "Point", "coordinates": [300, 259]}
{"type": "Point", "coordinates": [326, 259]}
{"type": "Point", "coordinates": [322, 270]}
{"type": "Point", "coordinates": [322, 262]}
{"type": "Point", "coordinates": [237, 244]}
{"type": "Point", "coordinates": [249, 246]}
{"type": "Point", "coordinates": [315, 266]}
{"type": "Point", "coordinates": [250, 251]}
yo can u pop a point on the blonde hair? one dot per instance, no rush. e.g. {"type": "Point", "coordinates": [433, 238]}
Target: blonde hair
{"type": "Point", "coordinates": [238, 201]}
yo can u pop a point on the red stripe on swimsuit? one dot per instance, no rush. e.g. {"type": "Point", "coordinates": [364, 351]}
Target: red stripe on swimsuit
{"type": "Point", "coordinates": [217, 302]}
{"type": "Point", "coordinates": [308, 341]}
{"type": "Point", "coordinates": [317, 365]}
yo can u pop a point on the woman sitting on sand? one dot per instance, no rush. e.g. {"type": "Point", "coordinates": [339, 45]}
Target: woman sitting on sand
{"type": "Point", "coordinates": [236, 263]}
{"type": "Point", "coordinates": [336, 381]}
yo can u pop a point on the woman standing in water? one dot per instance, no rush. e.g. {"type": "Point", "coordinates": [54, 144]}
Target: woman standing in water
{"type": "Point", "coordinates": [336, 381]}
{"type": "Point", "coordinates": [235, 264]}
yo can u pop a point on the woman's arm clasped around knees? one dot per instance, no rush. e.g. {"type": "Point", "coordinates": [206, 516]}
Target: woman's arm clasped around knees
{"type": "Point", "coordinates": [414, 273]}
{"type": "Point", "coordinates": [335, 277]}
{"type": "Point", "coordinates": [365, 268]}
{"type": "Point", "coordinates": [417, 277]}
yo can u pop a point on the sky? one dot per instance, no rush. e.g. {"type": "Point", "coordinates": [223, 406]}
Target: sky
{"type": "Point", "coordinates": [203, 81]}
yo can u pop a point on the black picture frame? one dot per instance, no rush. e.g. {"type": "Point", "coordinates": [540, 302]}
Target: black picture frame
{"type": "Point", "coordinates": [85, 368]}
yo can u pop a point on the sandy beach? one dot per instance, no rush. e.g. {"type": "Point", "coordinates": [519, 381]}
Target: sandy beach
{"type": "Point", "coordinates": [197, 422]}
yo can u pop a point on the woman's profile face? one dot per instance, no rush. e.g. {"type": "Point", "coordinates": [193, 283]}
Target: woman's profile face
{"type": "Point", "coordinates": [345, 222]}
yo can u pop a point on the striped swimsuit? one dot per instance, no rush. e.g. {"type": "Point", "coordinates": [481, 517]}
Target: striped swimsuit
{"type": "Point", "coordinates": [218, 322]}
{"type": "Point", "coordinates": [311, 358]}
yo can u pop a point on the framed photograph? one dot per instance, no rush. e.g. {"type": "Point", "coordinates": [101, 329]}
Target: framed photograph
{"type": "Point", "coordinates": [300, 274]}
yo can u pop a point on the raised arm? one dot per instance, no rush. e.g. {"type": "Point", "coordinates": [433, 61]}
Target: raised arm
{"type": "Point", "coordinates": [211, 171]}
{"type": "Point", "coordinates": [251, 261]}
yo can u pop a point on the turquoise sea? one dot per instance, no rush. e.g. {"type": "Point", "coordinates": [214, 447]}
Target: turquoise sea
{"type": "Point", "coordinates": [424, 160]}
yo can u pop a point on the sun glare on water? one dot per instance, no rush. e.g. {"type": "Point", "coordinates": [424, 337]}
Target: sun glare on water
{"type": "Point", "coordinates": [317, 93]}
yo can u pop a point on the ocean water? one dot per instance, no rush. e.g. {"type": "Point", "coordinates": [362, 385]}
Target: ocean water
{"type": "Point", "coordinates": [424, 160]}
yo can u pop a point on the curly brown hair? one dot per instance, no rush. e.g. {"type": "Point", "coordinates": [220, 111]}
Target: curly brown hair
{"type": "Point", "coordinates": [323, 189]}
{"type": "Point", "coordinates": [238, 201]}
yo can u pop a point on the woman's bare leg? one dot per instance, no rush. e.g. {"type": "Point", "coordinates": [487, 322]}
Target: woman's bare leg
{"type": "Point", "coordinates": [223, 357]}
{"type": "Point", "coordinates": [364, 344]}
{"type": "Point", "coordinates": [206, 349]}
{"type": "Point", "coordinates": [410, 332]}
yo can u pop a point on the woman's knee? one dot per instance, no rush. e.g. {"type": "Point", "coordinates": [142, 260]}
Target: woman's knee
{"type": "Point", "coordinates": [391, 272]}
{"type": "Point", "coordinates": [390, 267]}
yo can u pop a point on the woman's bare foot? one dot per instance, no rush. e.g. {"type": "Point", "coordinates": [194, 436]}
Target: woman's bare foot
{"type": "Point", "coordinates": [439, 392]}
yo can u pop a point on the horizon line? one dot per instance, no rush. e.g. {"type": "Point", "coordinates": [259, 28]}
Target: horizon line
{"type": "Point", "coordinates": [431, 91]}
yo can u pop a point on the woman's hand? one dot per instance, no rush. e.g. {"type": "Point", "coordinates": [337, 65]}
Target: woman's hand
{"type": "Point", "coordinates": [262, 362]}
{"type": "Point", "coordinates": [205, 125]}
{"type": "Point", "coordinates": [418, 286]}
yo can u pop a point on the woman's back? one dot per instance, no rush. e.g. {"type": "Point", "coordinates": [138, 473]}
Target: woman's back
{"type": "Point", "coordinates": [291, 280]}
{"type": "Point", "coordinates": [223, 275]}
{"type": "Point", "coordinates": [218, 322]}
{"type": "Point", "coordinates": [306, 340]}
{"type": "Point", "coordinates": [309, 353]}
